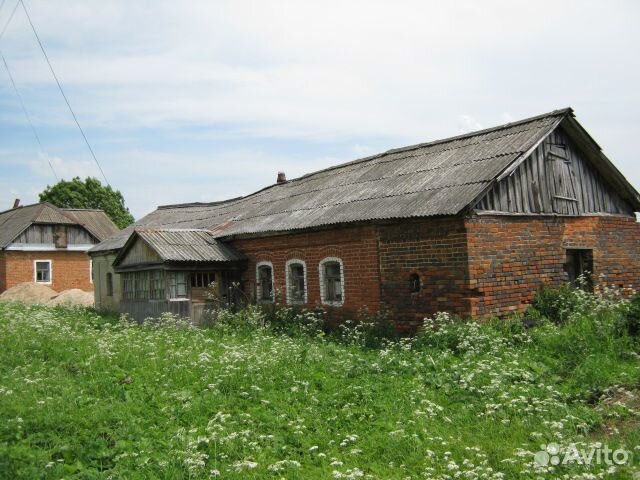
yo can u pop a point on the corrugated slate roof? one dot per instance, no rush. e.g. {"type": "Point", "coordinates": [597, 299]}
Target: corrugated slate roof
{"type": "Point", "coordinates": [437, 178]}
{"type": "Point", "coordinates": [177, 245]}
{"type": "Point", "coordinates": [95, 221]}
{"type": "Point", "coordinates": [15, 221]}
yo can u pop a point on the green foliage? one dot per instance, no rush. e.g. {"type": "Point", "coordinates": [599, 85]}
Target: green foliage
{"type": "Point", "coordinates": [89, 193]}
{"type": "Point", "coordinates": [631, 322]}
{"type": "Point", "coordinates": [264, 393]}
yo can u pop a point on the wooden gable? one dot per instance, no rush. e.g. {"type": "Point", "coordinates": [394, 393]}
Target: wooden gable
{"type": "Point", "coordinates": [556, 178]}
{"type": "Point", "coordinates": [138, 253]}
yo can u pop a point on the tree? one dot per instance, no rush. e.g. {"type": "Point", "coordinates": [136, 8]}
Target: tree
{"type": "Point", "coordinates": [89, 193]}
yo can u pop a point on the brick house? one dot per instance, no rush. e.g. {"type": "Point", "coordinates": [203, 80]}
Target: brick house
{"type": "Point", "coordinates": [473, 225]}
{"type": "Point", "coordinates": [44, 244]}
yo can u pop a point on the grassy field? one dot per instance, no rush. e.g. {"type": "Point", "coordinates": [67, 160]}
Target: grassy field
{"type": "Point", "coordinates": [86, 396]}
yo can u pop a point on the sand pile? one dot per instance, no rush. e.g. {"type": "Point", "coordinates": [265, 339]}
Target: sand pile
{"type": "Point", "coordinates": [43, 295]}
{"type": "Point", "coordinates": [28, 293]}
{"type": "Point", "coordinates": [74, 297]}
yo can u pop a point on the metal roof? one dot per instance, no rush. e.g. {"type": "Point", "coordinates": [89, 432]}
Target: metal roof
{"type": "Point", "coordinates": [15, 221]}
{"type": "Point", "coordinates": [181, 245]}
{"type": "Point", "coordinates": [431, 179]}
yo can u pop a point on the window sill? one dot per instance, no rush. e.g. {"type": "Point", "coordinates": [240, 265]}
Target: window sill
{"type": "Point", "coordinates": [179, 299]}
{"type": "Point", "coordinates": [333, 304]}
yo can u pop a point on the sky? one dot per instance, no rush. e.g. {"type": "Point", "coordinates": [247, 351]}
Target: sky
{"type": "Point", "coordinates": [197, 101]}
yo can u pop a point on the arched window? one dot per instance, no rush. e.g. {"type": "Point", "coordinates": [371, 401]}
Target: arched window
{"type": "Point", "coordinates": [296, 272]}
{"type": "Point", "coordinates": [264, 282]}
{"type": "Point", "coordinates": [414, 282]}
{"type": "Point", "coordinates": [331, 281]}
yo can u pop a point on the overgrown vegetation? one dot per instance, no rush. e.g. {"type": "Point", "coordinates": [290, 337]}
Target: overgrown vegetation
{"type": "Point", "coordinates": [270, 394]}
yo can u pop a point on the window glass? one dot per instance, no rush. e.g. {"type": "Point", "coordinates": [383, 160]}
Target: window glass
{"type": "Point", "coordinates": [297, 288]}
{"type": "Point", "coordinates": [157, 284]}
{"type": "Point", "coordinates": [110, 284]}
{"type": "Point", "coordinates": [414, 282]}
{"type": "Point", "coordinates": [332, 282]}
{"type": "Point", "coordinates": [177, 285]}
{"type": "Point", "coordinates": [142, 285]}
{"type": "Point", "coordinates": [128, 290]}
{"type": "Point", "coordinates": [43, 272]}
{"type": "Point", "coordinates": [265, 283]}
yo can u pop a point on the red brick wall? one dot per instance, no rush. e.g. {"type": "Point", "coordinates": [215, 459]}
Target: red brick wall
{"type": "Point", "coordinates": [356, 246]}
{"type": "Point", "coordinates": [3, 277]}
{"type": "Point", "coordinates": [435, 250]}
{"type": "Point", "coordinates": [69, 269]}
{"type": "Point", "coordinates": [511, 257]}
{"type": "Point", "coordinates": [482, 266]}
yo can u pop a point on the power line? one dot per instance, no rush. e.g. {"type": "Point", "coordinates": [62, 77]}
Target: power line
{"type": "Point", "coordinates": [13, 12]}
{"type": "Point", "coordinates": [33, 28]}
{"type": "Point", "coordinates": [26, 113]}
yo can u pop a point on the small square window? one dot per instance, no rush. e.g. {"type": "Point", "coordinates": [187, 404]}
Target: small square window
{"type": "Point", "coordinates": [579, 268]}
{"type": "Point", "coordinates": [43, 271]}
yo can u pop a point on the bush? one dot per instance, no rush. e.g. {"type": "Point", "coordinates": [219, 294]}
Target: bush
{"type": "Point", "coordinates": [631, 320]}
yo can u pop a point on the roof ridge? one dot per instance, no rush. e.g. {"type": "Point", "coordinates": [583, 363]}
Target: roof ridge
{"type": "Point", "coordinates": [553, 113]}
{"type": "Point", "coordinates": [200, 204]}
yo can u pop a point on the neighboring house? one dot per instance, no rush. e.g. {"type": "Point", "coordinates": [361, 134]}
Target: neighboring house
{"type": "Point", "coordinates": [473, 225]}
{"type": "Point", "coordinates": [45, 244]}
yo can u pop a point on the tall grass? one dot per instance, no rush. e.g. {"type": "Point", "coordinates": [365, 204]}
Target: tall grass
{"type": "Point", "coordinates": [273, 395]}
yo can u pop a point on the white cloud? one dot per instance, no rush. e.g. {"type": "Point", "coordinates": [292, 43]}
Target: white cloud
{"type": "Point", "coordinates": [347, 74]}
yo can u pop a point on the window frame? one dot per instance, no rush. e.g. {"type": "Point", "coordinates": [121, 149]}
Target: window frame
{"type": "Point", "coordinates": [172, 283]}
{"type": "Point", "coordinates": [109, 284]}
{"type": "Point", "coordinates": [260, 265]}
{"type": "Point", "coordinates": [288, 265]}
{"type": "Point", "coordinates": [35, 272]}
{"type": "Point", "coordinates": [323, 281]}
{"type": "Point", "coordinates": [91, 270]}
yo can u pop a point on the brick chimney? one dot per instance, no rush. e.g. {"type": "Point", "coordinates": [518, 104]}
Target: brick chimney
{"type": "Point", "coordinates": [282, 178]}
{"type": "Point", "coordinates": [16, 203]}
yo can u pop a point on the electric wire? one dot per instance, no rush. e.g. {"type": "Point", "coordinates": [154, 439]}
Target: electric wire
{"type": "Point", "coordinates": [33, 28]}
{"type": "Point", "coordinates": [26, 113]}
{"type": "Point", "coordinates": [13, 12]}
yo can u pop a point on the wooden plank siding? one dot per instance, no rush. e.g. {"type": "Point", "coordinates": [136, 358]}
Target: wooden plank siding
{"type": "Point", "coordinates": [45, 234]}
{"type": "Point", "coordinates": [557, 179]}
{"type": "Point", "coordinates": [140, 254]}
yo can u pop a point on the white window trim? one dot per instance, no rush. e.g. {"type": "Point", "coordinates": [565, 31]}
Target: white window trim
{"type": "Point", "coordinates": [290, 301]}
{"type": "Point", "coordinates": [91, 270]}
{"type": "Point", "coordinates": [259, 286]}
{"type": "Point", "coordinates": [323, 289]}
{"type": "Point", "coordinates": [35, 272]}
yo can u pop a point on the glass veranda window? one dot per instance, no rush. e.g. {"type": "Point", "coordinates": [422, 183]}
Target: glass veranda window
{"type": "Point", "coordinates": [177, 285]}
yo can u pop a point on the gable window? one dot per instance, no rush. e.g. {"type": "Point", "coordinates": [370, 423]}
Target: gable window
{"type": "Point", "coordinates": [109, 284]}
{"type": "Point", "coordinates": [331, 281]}
{"type": "Point", "coordinates": [264, 282]}
{"type": "Point", "coordinates": [296, 282]}
{"type": "Point", "coordinates": [177, 285]}
{"type": "Point", "coordinates": [579, 268]}
{"type": "Point", "coordinates": [42, 271]}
